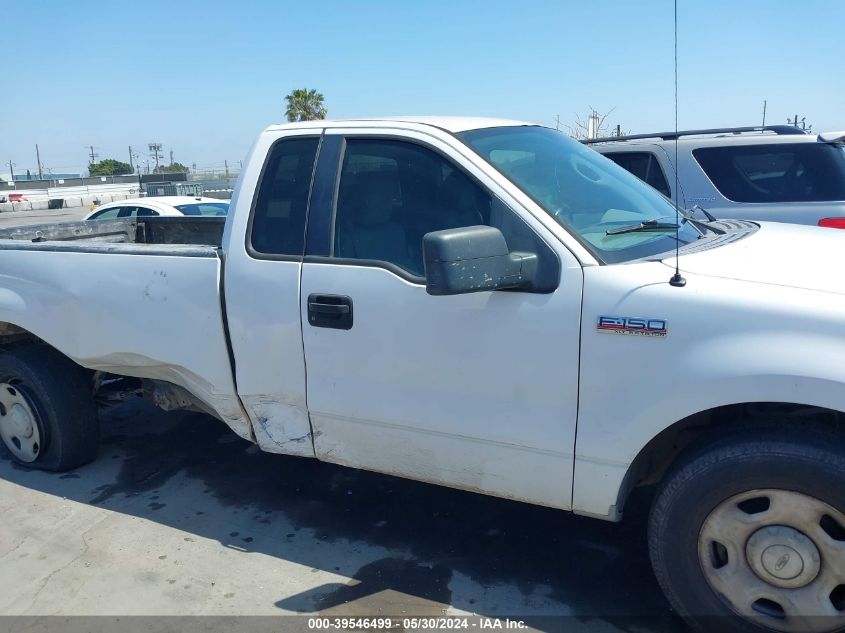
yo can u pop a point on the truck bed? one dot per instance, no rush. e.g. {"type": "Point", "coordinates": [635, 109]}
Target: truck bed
{"type": "Point", "coordinates": [185, 236]}
{"type": "Point", "coordinates": [80, 287]}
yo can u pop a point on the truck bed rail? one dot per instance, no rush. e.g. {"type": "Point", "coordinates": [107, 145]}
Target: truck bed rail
{"type": "Point", "coordinates": [200, 231]}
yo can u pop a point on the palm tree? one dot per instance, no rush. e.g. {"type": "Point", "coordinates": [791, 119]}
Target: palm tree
{"type": "Point", "coordinates": [305, 105]}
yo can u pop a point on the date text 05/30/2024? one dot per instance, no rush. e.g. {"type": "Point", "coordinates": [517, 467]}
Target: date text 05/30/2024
{"type": "Point", "coordinates": [424, 623]}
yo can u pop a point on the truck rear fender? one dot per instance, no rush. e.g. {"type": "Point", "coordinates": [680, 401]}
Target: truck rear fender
{"type": "Point", "coordinates": [146, 316]}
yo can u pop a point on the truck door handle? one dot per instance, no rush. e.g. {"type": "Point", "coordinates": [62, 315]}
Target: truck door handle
{"type": "Point", "coordinates": [331, 311]}
{"type": "Point", "coordinates": [328, 308]}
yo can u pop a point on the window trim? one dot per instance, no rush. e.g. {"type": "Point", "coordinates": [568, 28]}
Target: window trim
{"type": "Point", "coordinates": [320, 225]}
{"type": "Point", "coordinates": [251, 251]}
{"type": "Point", "coordinates": [366, 263]}
{"type": "Point", "coordinates": [388, 266]}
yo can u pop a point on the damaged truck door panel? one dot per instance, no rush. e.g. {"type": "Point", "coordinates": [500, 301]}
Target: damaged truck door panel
{"type": "Point", "coordinates": [449, 300]}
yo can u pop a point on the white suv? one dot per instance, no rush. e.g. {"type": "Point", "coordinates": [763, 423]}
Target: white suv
{"type": "Point", "coordinates": [775, 173]}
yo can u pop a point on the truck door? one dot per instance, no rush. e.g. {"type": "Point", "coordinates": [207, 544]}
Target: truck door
{"type": "Point", "coordinates": [475, 391]}
{"type": "Point", "coordinates": [265, 242]}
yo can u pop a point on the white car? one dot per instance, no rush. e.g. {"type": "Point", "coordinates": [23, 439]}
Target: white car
{"type": "Point", "coordinates": [164, 206]}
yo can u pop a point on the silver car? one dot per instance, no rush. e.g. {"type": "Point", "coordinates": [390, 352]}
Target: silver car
{"type": "Point", "coordinates": [776, 173]}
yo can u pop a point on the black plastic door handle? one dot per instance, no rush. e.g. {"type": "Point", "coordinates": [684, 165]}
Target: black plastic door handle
{"type": "Point", "coordinates": [328, 308]}
{"type": "Point", "coordinates": [331, 311]}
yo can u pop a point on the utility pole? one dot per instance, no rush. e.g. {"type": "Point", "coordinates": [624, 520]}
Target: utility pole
{"type": "Point", "coordinates": [12, 170]}
{"type": "Point", "coordinates": [241, 163]}
{"type": "Point", "coordinates": [764, 113]}
{"type": "Point", "coordinates": [618, 130]}
{"type": "Point", "coordinates": [93, 155]}
{"type": "Point", "coordinates": [593, 124]}
{"type": "Point", "coordinates": [803, 123]}
{"type": "Point", "coordinates": [38, 158]}
{"type": "Point", "coordinates": [226, 166]}
{"type": "Point", "coordinates": [131, 165]}
{"type": "Point", "coordinates": [155, 152]}
{"type": "Point", "coordinates": [171, 155]}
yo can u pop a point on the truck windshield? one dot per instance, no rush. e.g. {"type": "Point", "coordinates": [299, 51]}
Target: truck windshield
{"type": "Point", "coordinates": [586, 193]}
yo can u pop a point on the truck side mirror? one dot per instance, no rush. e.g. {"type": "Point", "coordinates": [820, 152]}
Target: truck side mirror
{"type": "Point", "coordinates": [474, 259]}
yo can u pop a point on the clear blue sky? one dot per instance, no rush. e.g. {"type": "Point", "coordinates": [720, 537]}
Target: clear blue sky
{"type": "Point", "coordinates": [204, 77]}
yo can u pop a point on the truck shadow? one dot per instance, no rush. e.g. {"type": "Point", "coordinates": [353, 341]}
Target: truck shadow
{"type": "Point", "coordinates": [441, 546]}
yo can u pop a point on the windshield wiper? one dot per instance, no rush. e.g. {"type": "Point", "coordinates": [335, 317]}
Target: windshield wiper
{"type": "Point", "coordinates": [701, 224]}
{"type": "Point", "coordinates": [646, 225]}
{"type": "Point", "coordinates": [697, 207]}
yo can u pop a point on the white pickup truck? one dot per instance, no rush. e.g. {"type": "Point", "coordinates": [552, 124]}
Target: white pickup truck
{"type": "Point", "coordinates": [482, 304]}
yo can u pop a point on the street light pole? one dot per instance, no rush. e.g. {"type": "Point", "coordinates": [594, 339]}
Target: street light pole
{"type": "Point", "coordinates": [38, 158]}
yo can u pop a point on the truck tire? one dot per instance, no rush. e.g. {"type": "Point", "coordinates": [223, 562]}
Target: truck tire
{"type": "Point", "coordinates": [749, 534]}
{"type": "Point", "coordinates": [48, 419]}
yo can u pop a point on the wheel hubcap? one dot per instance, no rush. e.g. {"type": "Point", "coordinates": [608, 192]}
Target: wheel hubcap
{"type": "Point", "coordinates": [783, 556]}
{"type": "Point", "coordinates": [18, 425]}
{"type": "Point", "coordinates": [778, 558]}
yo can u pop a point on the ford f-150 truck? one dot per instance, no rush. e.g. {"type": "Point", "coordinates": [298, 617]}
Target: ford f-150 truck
{"type": "Point", "coordinates": [482, 304]}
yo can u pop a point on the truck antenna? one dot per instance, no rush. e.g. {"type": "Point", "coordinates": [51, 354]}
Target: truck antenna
{"type": "Point", "coordinates": [677, 280]}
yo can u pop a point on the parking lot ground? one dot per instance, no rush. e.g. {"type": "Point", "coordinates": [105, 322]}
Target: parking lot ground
{"type": "Point", "coordinates": [178, 516]}
{"type": "Point", "coordinates": [22, 218]}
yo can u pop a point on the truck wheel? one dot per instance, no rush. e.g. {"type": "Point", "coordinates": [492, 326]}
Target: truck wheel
{"type": "Point", "coordinates": [47, 415]}
{"type": "Point", "coordinates": [750, 535]}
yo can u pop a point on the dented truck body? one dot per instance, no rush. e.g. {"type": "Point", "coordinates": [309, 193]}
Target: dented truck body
{"type": "Point", "coordinates": [311, 346]}
{"type": "Point", "coordinates": [142, 298]}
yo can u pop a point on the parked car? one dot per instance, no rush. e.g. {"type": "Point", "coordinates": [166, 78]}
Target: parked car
{"type": "Point", "coordinates": [774, 173]}
{"type": "Point", "coordinates": [449, 300]}
{"type": "Point", "coordinates": [161, 206]}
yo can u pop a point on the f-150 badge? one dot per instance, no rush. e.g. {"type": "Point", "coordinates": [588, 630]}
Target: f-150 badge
{"type": "Point", "coordinates": [637, 326]}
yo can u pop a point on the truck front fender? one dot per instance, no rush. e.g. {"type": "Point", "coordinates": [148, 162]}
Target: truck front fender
{"type": "Point", "coordinates": [727, 343]}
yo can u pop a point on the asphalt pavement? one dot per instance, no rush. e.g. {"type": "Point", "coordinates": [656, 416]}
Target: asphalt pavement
{"type": "Point", "coordinates": [21, 218]}
{"type": "Point", "coordinates": [178, 516]}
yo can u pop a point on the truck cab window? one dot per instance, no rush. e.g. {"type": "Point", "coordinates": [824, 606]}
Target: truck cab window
{"type": "Point", "coordinates": [278, 222]}
{"type": "Point", "coordinates": [391, 193]}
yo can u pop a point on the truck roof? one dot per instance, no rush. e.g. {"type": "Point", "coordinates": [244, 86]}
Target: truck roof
{"type": "Point", "coordinates": [449, 123]}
